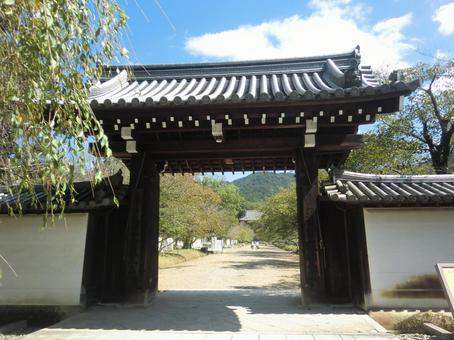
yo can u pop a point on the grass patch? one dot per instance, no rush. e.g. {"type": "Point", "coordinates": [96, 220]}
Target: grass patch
{"type": "Point", "coordinates": [174, 257]}
{"type": "Point", "coordinates": [414, 324]}
{"type": "Point", "coordinates": [411, 322]}
{"type": "Point", "coordinates": [389, 319]}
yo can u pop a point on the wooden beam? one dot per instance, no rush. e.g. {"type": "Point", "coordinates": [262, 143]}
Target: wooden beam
{"type": "Point", "coordinates": [190, 148]}
{"type": "Point", "coordinates": [243, 162]}
{"type": "Point", "coordinates": [238, 124]}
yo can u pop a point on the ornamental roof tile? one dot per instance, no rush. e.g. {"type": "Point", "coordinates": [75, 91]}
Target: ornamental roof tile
{"type": "Point", "coordinates": [351, 187]}
{"type": "Point", "coordinates": [278, 80]}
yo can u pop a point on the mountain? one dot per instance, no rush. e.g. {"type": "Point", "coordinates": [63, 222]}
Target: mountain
{"type": "Point", "coordinates": [258, 186]}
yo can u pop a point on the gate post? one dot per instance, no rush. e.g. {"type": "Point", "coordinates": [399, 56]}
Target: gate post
{"type": "Point", "coordinates": [142, 232]}
{"type": "Point", "coordinates": [309, 241]}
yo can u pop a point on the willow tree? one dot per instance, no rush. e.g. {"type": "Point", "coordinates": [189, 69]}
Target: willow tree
{"type": "Point", "coordinates": [52, 52]}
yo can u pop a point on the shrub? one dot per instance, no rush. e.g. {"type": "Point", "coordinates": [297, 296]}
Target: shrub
{"type": "Point", "coordinates": [415, 323]}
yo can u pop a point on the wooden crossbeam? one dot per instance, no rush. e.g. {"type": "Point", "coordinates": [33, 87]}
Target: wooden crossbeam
{"type": "Point", "coordinates": [111, 128]}
{"type": "Point", "coordinates": [240, 146]}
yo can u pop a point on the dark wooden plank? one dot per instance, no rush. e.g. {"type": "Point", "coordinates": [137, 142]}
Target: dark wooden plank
{"type": "Point", "coordinates": [312, 283]}
{"type": "Point", "coordinates": [150, 245]}
{"type": "Point", "coordinates": [337, 273]}
{"type": "Point", "coordinates": [142, 232]}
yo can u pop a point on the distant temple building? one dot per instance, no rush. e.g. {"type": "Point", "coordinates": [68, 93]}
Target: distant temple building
{"type": "Point", "coordinates": [250, 216]}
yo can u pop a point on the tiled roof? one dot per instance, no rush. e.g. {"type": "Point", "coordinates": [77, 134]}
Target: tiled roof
{"type": "Point", "coordinates": [354, 187]}
{"type": "Point", "coordinates": [87, 197]}
{"type": "Point", "coordinates": [279, 80]}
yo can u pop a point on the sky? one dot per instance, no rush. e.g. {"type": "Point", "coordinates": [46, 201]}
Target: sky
{"type": "Point", "coordinates": [391, 33]}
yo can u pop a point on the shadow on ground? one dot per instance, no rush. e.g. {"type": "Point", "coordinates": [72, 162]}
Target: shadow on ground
{"type": "Point", "coordinates": [287, 283]}
{"type": "Point", "coordinates": [265, 252]}
{"type": "Point", "coordinates": [212, 311]}
{"type": "Point", "coordinates": [281, 264]}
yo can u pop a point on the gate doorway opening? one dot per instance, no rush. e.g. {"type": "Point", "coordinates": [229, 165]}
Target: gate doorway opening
{"type": "Point", "coordinates": [228, 232]}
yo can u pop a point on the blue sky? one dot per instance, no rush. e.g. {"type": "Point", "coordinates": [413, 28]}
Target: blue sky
{"type": "Point", "coordinates": [391, 33]}
{"type": "Point", "coordinates": [179, 32]}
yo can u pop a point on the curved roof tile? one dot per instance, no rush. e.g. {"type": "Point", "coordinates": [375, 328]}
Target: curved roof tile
{"type": "Point", "coordinates": [351, 187]}
{"type": "Point", "coordinates": [269, 80]}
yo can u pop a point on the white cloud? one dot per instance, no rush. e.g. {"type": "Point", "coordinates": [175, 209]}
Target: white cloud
{"type": "Point", "coordinates": [444, 15]}
{"type": "Point", "coordinates": [442, 55]}
{"type": "Point", "coordinates": [331, 28]}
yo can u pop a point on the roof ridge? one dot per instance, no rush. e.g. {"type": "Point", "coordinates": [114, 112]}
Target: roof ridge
{"type": "Point", "coordinates": [357, 176]}
{"type": "Point", "coordinates": [278, 80]}
{"type": "Point", "coordinates": [354, 54]}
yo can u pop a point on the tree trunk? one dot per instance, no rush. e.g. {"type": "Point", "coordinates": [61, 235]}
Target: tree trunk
{"type": "Point", "coordinates": [440, 157]}
{"type": "Point", "coordinates": [187, 243]}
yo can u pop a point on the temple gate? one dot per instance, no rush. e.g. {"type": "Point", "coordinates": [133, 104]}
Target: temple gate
{"type": "Point", "coordinates": [297, 114]}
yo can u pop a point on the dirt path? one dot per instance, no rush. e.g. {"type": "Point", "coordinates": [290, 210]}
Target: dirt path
{"type": "Point", "coordinates": [267, 267]}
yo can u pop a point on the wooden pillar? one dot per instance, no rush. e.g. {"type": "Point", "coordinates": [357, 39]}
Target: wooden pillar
{"type": "Point", "coordinates": [142, 232]}
{"type": "Point", "coordinates": [311, 266]}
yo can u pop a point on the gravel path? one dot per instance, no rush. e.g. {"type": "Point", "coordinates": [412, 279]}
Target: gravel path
{"type": "Point", "coordinates": [240, 268]}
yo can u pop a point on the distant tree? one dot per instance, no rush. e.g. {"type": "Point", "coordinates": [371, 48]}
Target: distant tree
{"type": "Point", "coordinates": [231, 199]}
{"type": "Point", "coordinates": [279, 220]}
{"type": "Point", "coordinates": [241, 233]}
{"type": "Point", "coordinates": [189, 210]}
{"type": "Point", "coordinates": [261, 185]}
{"type": "Point", "coordinates": [51, 53]}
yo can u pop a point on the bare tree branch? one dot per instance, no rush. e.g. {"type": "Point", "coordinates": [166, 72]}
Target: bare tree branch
{"type": "Point", "coordinates": [436, 109]}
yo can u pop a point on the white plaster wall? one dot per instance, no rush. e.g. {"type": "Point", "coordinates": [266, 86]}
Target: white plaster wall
{"type": "Point", "coordinates": [166, 244]}
{"type": "Point", "coordinates": [404, 244]}
{"type": "Point", "coordinates": [48, 262]}
{"type": "Point", "coordinates": [197, 244]}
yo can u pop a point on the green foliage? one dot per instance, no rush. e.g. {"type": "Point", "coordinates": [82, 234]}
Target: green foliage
{"type": "Point", "coordinates": [189, 210]}
{"type": "Point", "coordinates": [52, 52]}
{"type": "Point", "coordinates": [241, 233]}
{"type": "Point", "coordinates": [323, 175]}
{"type": "Point", "coordinates": [421, 134]}
{"type": "Point", "coordinates": [415, 323]}
{"type": "Point", "coordinates": [279, 221]}
{"type": "Point", "coordinates": [382, 153]}
{"type": "Point", "coordinates": [259, 186]}
{"type": "Point", "coordinates": [231, 199]}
